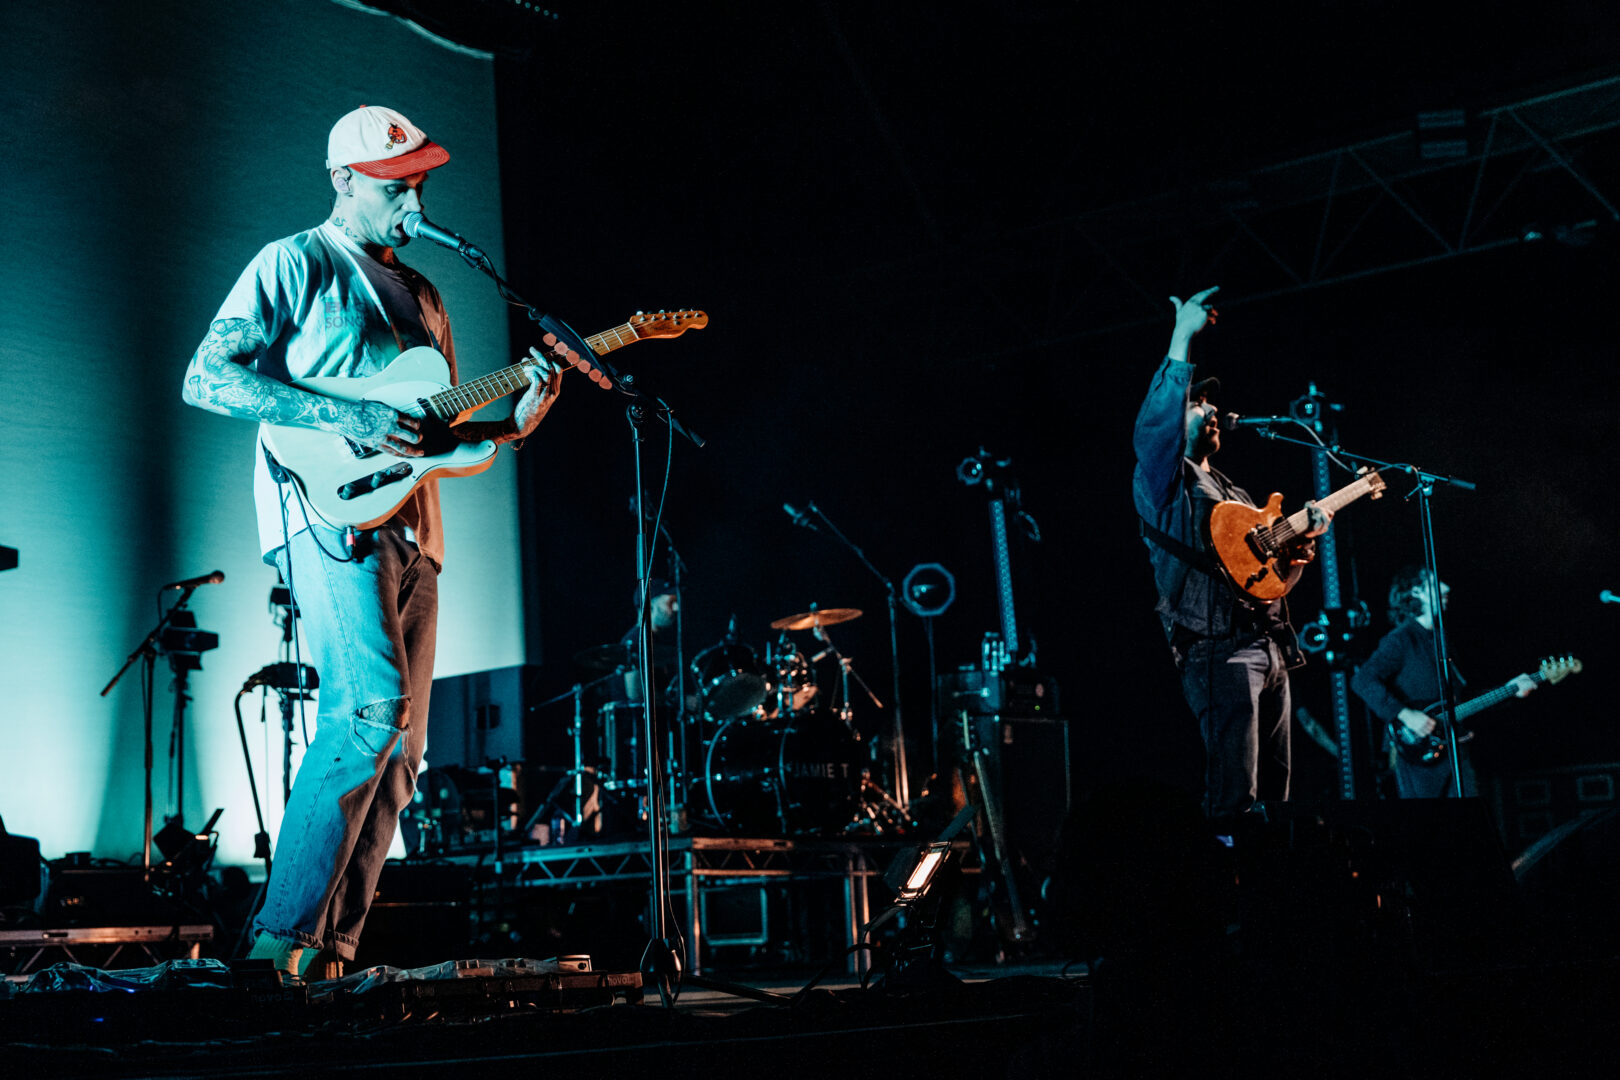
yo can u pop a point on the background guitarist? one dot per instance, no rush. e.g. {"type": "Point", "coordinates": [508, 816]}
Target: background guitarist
{"type": "Point", "coordinates": [1400, 674]}
{"type": "Point", "coordinates": [1234, 652]}
{"type": "Point", "coordinates": [335, 300]}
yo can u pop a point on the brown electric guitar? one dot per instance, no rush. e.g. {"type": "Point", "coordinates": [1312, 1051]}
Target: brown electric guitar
{"type": "Point", "coordinates": [1255, 546]}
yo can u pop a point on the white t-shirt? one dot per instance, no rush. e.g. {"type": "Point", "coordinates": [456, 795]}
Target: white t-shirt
{"type": "Point", "coordinates": [321, 316]}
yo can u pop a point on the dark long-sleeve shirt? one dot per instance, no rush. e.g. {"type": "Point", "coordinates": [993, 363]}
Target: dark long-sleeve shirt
{"type": "Point", "coordinates": [1175, 497]}
{"type": "Point", "coordinates": [1400, 672]}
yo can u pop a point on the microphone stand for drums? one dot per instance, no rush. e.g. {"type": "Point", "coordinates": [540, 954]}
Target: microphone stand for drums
{"type": "Point", "coordinates": [902, 793]}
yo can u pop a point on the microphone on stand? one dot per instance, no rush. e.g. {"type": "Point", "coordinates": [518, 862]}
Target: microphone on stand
{"type": "Point", "coordinates": [1608, 597]}
{"type": "Point", "coordinates": [1232, 421]}
{"type": "Point", "coordinates": [193, 582]}
{"type": "Point", "coordinates": [799, 517]}
{"type": "Point", "coordinates": [420, 228]}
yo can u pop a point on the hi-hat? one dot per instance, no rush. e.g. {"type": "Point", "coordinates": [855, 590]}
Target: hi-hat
{"type": "Point", "coordinates": [814, 618]}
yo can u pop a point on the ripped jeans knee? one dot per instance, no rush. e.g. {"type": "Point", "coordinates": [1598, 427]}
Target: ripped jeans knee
{"type": "Point", "coordinates": [377, 727]}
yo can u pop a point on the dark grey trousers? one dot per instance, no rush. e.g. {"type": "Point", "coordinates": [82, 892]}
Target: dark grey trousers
{"type": "Point", "coordinates": [1238, 690]}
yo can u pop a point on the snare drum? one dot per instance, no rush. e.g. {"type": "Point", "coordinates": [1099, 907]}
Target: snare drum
{"type": "Point", "coordinates": [764, 779]}
{"type": "Point", "coordinates": [730, 680]}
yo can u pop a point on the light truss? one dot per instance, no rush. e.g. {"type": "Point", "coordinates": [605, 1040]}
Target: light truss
{"type": "Point", "coordinates": [1540, 170]}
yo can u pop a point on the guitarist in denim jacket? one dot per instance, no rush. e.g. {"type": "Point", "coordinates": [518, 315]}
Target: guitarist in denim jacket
{"type": "Point", "coordinates": [1233, 652]}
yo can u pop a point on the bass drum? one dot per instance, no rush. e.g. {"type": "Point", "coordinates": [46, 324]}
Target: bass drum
{"type": "Point", "coordinates": [764, 779]}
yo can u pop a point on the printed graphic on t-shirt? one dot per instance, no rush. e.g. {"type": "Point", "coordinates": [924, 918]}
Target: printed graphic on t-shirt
{"type": "Point", "coordinates": [337, 318]}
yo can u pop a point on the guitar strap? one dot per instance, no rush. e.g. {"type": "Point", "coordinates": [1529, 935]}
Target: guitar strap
{"type": "Point", "coordinates": [1198, 560]}
{"type": "Point", "coordinates": [1282, 634]}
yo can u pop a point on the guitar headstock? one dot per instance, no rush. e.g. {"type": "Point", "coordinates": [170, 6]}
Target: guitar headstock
{"type": "Point", "coordinates": [1375, 482]}
{"type": "Point", "coordinates": [667, 324]}
{"type": "Point", "coordinates": [1557, 668]}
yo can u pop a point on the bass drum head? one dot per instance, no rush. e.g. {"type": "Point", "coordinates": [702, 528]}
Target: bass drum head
{"type": "Point", "coordinates": [769, 780]}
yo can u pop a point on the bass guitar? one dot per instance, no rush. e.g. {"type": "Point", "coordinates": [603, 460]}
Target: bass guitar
{"type": "Point", "coordinates": [347, 484]}
{"type": "Point", "coordinates": [1427, 749]}
{"type": "Point", "coordinates": [1253, 545]}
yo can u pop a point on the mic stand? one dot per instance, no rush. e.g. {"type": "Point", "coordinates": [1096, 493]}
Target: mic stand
{"type": "Point", "coordinates": [147, 652]}
{"type": "Point", "coordinates": [665, 962]}
{"type": "Point", "coordinates": [680, 754]}
{"type": "Point", "coordinates": [1424, 482]}
{"type": "Point", "coordinates": [902, 794]}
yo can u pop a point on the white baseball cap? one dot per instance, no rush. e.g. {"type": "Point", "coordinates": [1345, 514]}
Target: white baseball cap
{"type": "Point", "coordinates": [381, 143]}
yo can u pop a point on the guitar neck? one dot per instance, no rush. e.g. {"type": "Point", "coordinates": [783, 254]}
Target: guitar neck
{"type": "Point", "coordinates": [1493, 697]}
{"type": "Point", "coordinates": [1297, 523]}
{"type": "Point", "coordinates": [468, 396]}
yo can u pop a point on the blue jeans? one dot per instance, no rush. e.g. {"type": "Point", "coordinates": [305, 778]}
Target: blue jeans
{"type": "Point", "coordinates": [1238, 689]}
{"type": "Point", "coordinates": [370, 630]}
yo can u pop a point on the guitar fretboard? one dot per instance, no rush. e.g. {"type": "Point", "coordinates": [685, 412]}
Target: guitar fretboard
{"type": "Point", "coordinates": [1493, 697]}
{"type": "Point", "coordinates": [1299, 521]}
{"type": "Point", "coordinates": [465, 397]}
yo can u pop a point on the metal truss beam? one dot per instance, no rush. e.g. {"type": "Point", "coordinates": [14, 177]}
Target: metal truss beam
{"type": "Point", "coordinates": [1543, 169]}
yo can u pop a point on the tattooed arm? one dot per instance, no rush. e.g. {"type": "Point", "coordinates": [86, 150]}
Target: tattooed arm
{"type": "Point", "coordinates": [220, 380]}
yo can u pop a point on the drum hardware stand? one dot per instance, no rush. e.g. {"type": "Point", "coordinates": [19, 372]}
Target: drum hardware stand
{"type": "Point", "coordinates": [576, 732]}
{"type": "Point", "coordinates": [898, 734]}
{"type": "Point", "coordinates": [176, 636]}
{"type": "Point", "coordinates": [846, 669]}
{"type": "Point", "coordinates": [876, 804]}
{"type": "Point", "coordinates": [1423, 487]}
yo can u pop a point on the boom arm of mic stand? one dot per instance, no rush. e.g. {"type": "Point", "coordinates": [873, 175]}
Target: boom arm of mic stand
{"type": "Point", "coordinates": [1420, 475]}
{"type": "Point", "coordinates": [570, 338]}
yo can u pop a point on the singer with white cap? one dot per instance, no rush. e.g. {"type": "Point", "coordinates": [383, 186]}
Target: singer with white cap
{"type": "Point", "coordinates": [1233, 652]}
{"type": "Point", "coordinates": [335, 300]}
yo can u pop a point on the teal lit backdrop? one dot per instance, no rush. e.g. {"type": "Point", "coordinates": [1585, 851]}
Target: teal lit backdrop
{"type": "Point", "coordinates": [151, 150]}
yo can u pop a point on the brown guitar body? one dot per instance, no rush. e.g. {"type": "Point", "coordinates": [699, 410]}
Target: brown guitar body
{"type": "Point", "coordinates": [1238, 535]}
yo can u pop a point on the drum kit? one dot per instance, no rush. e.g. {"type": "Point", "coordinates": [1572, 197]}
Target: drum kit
{"type": "Point", "coordinates": [779, 754]}
{"type": "Point", "coordinates": [765, 747]}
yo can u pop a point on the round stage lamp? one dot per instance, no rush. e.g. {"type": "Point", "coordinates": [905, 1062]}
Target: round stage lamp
{"type": "Point", "coordinates": [928, 590]}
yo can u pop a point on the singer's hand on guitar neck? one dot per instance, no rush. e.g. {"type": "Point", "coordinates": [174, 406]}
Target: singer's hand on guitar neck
{"type": "Point", "coordinates": [545, 383]}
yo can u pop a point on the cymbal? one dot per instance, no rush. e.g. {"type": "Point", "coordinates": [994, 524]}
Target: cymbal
{"type": "Point", "coordinates": [811, 619]}
{"type": "Point", "coordinates": [619, 654]}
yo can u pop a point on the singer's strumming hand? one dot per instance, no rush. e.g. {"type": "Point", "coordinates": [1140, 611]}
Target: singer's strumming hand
{"type": "Point", "coordinates": [382, 427]}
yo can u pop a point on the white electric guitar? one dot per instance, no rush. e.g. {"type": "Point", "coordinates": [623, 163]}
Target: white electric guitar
{"type": "Point", "coordinates": [348, 484]}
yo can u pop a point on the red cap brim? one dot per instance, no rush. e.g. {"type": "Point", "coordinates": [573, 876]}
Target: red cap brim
{"type": "Point", "coordinates": [430, 155]}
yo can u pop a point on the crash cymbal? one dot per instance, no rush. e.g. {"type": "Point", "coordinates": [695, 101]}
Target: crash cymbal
{"type": "Point", "coordinates": [814, 618]}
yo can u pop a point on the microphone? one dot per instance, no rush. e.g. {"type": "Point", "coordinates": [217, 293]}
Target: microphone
{"type": "Point", "coordinates": [1231, 421]}
{"type": "Point", "coordinates": [1608, 597]}
{"type": "Point", "coordinates": [420, 228]}
{"type": "Point", "coordinates": [800, 517]}
{"type": "Point", "coordinates": [192, 582]}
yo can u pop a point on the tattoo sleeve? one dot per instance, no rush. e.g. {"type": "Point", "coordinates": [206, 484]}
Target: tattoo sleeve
{"type": "Point", "coordinates": [219, 379]}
